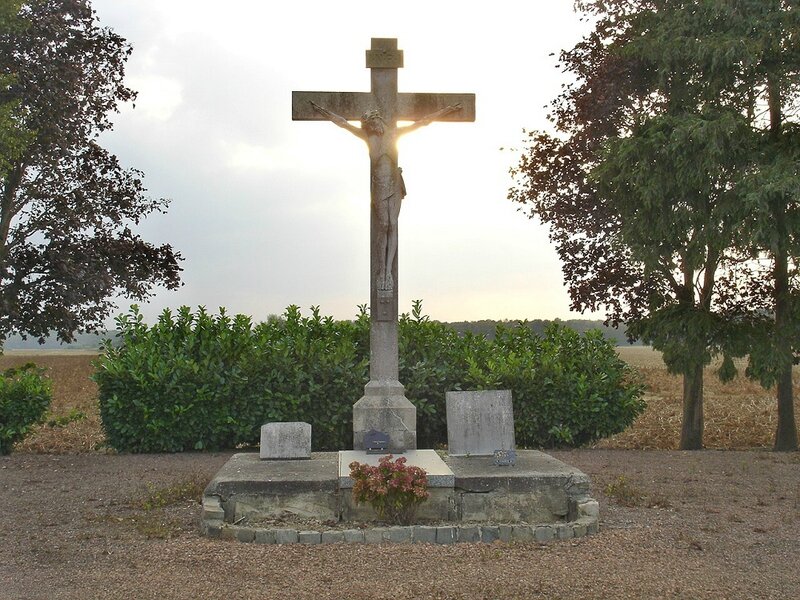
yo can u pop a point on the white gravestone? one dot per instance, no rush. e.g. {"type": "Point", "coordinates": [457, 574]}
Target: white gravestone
{"type": "Point", "coordinates": [479, 422]}
{"type": "Point", "coordinates": [283, 441]}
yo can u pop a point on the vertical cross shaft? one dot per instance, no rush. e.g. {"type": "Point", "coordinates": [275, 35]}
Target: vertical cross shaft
{"type": "Point", "coordinates": [384, 406]}
{"type": "Point", "coordinates": [383, 60]}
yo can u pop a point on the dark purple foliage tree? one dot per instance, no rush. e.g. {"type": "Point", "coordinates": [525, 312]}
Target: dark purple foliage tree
{"type": "Point", "coordinates": [67, 206]}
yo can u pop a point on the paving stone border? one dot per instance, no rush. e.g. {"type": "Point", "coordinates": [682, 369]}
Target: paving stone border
{"type": "Point", "coordinates": [214, 526]}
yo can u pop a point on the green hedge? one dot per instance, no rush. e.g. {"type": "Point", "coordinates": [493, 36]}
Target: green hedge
{"type": "Point", "coordinates": [200, 381]}
{"type": "Point", "coordinates": [25, 396]}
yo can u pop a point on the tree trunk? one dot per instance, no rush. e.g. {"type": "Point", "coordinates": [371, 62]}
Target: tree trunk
{"type": "Point", "coordinates": [692, 428]}
{"type": "Point", "coordinates": [786, 432]}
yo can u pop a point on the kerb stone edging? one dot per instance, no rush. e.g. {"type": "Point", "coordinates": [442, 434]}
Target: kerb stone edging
{"type": "Point", "coordinates": [214, 526]}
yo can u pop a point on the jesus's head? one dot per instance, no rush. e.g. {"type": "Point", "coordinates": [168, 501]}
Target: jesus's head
{"type": "Point", "coordinates": [372, 122]}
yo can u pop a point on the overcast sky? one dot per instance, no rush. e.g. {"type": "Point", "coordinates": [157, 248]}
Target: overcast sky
{"type": "Point", "coordinates": [268, 212]}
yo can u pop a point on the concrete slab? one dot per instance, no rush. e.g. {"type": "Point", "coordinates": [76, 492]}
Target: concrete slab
{"type": "Point", "coordinates": [537, 489]}
{"type": "Point", "coordinates": [439, 474]}
{"type": "Point", "coordinates": [246, 473]}
{"type": "Point", "coordinates": [480, 474]}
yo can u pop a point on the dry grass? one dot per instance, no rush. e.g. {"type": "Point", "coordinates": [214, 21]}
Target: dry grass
{"type": "Point", "coordinates": [738, 415]}
{"type": "Point", "coordinates": [74, 394]}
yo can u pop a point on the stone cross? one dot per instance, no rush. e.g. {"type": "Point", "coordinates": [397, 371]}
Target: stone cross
{"type": "Point", "coordinates": [384, 406]}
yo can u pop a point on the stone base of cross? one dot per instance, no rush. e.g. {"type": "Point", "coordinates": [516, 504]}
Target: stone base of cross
{"type": "Point", "coordinates": [384, 407]}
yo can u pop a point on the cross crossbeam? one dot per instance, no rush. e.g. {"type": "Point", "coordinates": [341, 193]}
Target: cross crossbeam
{"type": "Point", "coordinates": [353, 105]}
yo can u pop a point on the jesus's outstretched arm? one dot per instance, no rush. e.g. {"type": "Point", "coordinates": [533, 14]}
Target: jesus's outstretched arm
{"type": "Point", "coordinates": [338, 120]}
{"type": "Point", "coordinates": [428, 119]}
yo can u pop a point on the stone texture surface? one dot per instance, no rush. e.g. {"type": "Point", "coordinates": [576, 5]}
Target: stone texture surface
{"type": "Point", "coordinates": [543, 533]}
{"type": "Point", "coordinates": [308, 537]}
{"type": "Point", "coordinates": [589, 508]}
{"type": "Point", "coordinates": [398, 535]}
{"type": "Point", "coordinates": [265, 536]}
{"type": "Point", "coordinates": [504, 531]}
{"type": "Point", "coordinates": [282, 441]}
{"type": "Point", "coordinates": [353, 536]}
{"type": "Point", "coordinates": [424, 534]}
{"type": "Point", "coordinates": [446, 535]}
{"type": "Point", "coordinates": [332, 537]}
{"type": "Point", "coordinates": [522, 533]}
{"type": "Point", "coordinates": [388, 412]}
{"type": "Point", "coordinates": [479, 422]}
{"type": "Point", "coordinates": [490, 533]}
{"type": "Point", "coordinates": [469, 533]}
{"type": "Point", "coordinates": [374, 535]}
{"type": "Point", "coordinates": [285, 536]}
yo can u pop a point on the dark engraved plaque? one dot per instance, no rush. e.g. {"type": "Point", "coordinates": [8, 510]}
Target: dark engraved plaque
{"type": "Point", "coordinates": [376, 442]}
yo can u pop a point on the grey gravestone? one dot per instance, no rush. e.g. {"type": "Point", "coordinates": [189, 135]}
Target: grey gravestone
{"type": "Point", "coordinates": [479, 422]}
{"type": "Point", "coordinates": [284, 441]}
{"type": "Point", "coordinates": [383, 406]}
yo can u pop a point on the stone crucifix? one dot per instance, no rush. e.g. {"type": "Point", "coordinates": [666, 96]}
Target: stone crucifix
{"type": "Point", "coordinates": [384, 406]}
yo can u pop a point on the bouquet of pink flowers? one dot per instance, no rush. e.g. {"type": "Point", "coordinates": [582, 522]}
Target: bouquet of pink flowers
{"type": "Point", "coordinates": [393, 489]}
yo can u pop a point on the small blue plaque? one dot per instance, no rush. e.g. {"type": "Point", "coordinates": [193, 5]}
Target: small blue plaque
{"type": "Point", "coordinates": [505, 458]}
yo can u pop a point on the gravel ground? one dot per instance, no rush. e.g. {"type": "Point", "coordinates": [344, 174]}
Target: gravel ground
{"type": "Point", "coordinates": [674, 525]}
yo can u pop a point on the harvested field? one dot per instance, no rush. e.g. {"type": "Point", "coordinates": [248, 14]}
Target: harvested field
{"type": "Point", "coordinates": [75, 417]}
{"type": "Point", "coordinates": [738, 415]}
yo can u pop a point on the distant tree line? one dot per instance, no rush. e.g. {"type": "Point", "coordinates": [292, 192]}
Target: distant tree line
{"type": "Point", "coordinates": [484, 327]}
{"type": "Point", "coordinates": [488, 327]}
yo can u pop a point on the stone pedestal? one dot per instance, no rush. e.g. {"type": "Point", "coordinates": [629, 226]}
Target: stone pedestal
{"type": "Point", "coordinates": [384, 407]}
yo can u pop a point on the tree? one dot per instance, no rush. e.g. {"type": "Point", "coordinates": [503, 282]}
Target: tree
{"type": "Point", "coordinates": [641, 187]}
{"type": "Point", "coordinates": [66, 204]}
{"type": "Point", "coordinates": [768, 84]}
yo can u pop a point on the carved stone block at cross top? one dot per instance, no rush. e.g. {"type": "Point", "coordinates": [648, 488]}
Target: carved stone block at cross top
{"type": "Point", "coordinates": [384, 406]}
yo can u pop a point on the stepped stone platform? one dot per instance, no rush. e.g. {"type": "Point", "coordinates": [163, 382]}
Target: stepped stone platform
{"type": "Point", "coordinates": [538, 499]}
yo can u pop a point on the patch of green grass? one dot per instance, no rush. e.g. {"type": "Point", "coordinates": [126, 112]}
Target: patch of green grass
{"type": "Point", "coordinates": [624, 492]}
{"type": "Point", "coordinates": [188, 489]}
{"type": "Point", "coordinates": [167, 511]}
{"type": "Point", "coordinates": [157, 525]}
{"type": "Point", "coordinates": [74, 415]}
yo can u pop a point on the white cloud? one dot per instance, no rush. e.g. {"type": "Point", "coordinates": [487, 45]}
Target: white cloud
{"type": "Point", "coordinates": [241, 155]}
{"type": "Point", "coordinates": [159, 97]}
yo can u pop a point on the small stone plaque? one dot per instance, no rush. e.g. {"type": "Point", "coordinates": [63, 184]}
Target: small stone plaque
{"type": "Point", "coordinates": [376, 442]}
{"type": "Point", "coordinates": [505, 458]}
{"type": "Point", "coordinates": [384, 308]}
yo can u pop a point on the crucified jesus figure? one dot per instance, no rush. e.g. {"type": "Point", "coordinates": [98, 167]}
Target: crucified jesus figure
{"type": "Point", "coordinates": [387, 189]}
